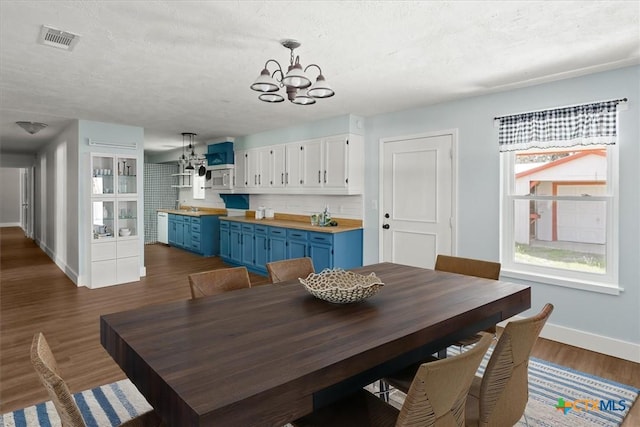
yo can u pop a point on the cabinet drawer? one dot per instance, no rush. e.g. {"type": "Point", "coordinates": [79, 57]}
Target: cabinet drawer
{"type": "Point", "coordinates": [224, 225]}
{"type": "Point", "coordinates": [195, 220]}
{"type": "Point", "coordinates": [247, 228]}
{"type": "Point", "coordinates": [277, 232]}
{"type": "Point", "coordinates": [195, 228]}
{"type": "Point", "coordinates": [103, 251]}
{"type": "Point", "coordinates": [297, 235]}
{"type": "Point", "coordinates": [195, 245]}
{"type": "Point", "coordinates": [195, 236]}
{"type": "Point", "coordinates": [261, 229]}
{"type": "Point", "coordinates": [323, 238]}
{"type": "Point", "coordinates": [234, 226]}
{"type": "Point", "coordinates": [127, 248]}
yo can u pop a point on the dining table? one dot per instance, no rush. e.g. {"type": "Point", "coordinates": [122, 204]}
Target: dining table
{"type": "Point", "coordinates": [269, 354]}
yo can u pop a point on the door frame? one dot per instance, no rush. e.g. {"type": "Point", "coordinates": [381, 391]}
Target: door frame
{"type": "Point", "coordinates": [27, 191]}
{"type": "Point", "coordinates": [454, 182]}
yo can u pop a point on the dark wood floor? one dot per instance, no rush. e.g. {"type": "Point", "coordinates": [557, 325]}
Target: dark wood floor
{"type": "Point", "coordinates": [36, 296]}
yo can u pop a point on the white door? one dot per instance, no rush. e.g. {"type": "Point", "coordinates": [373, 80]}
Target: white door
{"type": "Point", "coordinates": [417, 199]}
{"type": "Point", "coordinates": [26, 201]}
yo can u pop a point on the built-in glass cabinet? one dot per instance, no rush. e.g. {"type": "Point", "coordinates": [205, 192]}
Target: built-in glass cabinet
{"type": "Point", "coordinates": [114, 220]}
{"type": "Point", "coordinates": [114, 175]}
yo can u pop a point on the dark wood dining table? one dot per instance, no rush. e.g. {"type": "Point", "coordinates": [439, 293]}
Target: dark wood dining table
{"type": "Point", "coordinates": [267, 355]}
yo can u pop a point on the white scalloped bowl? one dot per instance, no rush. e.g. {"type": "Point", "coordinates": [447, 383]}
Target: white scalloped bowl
{"type": "Point", "coordinates": [340, 286]}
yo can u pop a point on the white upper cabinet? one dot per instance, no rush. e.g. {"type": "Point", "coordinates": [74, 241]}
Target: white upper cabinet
{"type": "Point", "coordinates": [240, 177]}
{"type": "Point", "coordinates": [332, 165]}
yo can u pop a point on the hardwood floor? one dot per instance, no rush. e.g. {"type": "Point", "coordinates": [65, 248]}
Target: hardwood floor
{"type": "Point", "coordinates": [35, 296]}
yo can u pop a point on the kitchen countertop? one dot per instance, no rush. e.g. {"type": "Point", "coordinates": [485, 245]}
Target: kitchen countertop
{"type": "Point", "coordinates": [200, 212]}
{"type": "Point", "coordinates": [348, 225]}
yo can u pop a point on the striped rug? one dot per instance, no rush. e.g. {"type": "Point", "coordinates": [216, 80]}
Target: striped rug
{"type": "Point", "coordinates": [112, 404]}
{"type": "Point", "coordinates": [549, 382]}
{"type": "Point", "coordinates": [105, 406]}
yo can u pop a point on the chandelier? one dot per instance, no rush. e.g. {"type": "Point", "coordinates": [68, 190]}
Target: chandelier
{"type": "Point", "coordinates": [32, 127]}
{"type": "Point", "coordinates": [298, 85]}
{"type": "Point", "coordinates": [184, 159]}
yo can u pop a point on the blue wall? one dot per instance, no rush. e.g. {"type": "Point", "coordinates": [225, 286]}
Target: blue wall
{"type": "Point", "coordinates": [479, 187]}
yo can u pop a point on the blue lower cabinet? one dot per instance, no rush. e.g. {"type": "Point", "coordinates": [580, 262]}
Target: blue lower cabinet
{"type": "Point", "coordinates": [225, 249]}
{"type": "Point", "coordinates": [235, 242]}
{"type": "Point", "coordinates": [196, 234]}
{"type": "Point", "coordinates": [247, 243]}
{"type": "Point", "coordinates": [261, 240]}
{"type": "Point", "coordinates": [255, 245]}
{"type": "Point", "coordinates": [297, 242]}
{"type": "Point", "coordinates": [336, 250]}
{"type": "Point", "coordinates": [277, 244]}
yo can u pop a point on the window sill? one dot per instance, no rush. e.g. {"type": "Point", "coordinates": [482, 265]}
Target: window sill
{"type": "Point", "coordinates": [566, 283]}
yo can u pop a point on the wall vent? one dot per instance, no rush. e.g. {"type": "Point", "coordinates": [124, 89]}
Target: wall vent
{"type": "Point", "coordinates": [57, 38]}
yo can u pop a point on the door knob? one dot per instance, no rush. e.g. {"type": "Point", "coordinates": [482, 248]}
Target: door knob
{"type": "Point", "coordinates": [385, 226]}
{"type": "Point", "coordinates": [386, 215]}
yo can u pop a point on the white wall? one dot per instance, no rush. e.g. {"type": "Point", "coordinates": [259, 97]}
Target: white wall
{"type": "Point", "coordinates": [56, 194]}
{"type": "Point", "coordinates": [590, 314]}
{"type": "Point", "coordinates": [9, 197]}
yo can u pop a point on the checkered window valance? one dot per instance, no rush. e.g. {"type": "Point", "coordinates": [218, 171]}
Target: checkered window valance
{"type": "Point", "coordinates": [589, 124]}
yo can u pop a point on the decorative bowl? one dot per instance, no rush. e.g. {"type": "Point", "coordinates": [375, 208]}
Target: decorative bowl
{"type": "Point", "coordinates": [340, 286]}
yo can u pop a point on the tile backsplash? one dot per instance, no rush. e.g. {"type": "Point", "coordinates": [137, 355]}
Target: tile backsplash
{"type": "Point", "coordinates": [158, 194]}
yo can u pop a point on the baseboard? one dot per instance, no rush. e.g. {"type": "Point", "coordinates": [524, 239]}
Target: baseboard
{"type": "Point", "coordinates": [10, 224]}
{"type": "Point", "coordinates": [588, 341]}
{"type": "Point", "coordinates": [72, 275]}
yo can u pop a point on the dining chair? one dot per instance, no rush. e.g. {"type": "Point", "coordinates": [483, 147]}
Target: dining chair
{"type": "Point", "coordinates": [289, 269]}
{"type": "Point", "coordinates": [499, 397]}
{"type": "Point", "coordinates": [468, 267]}
{"type": "Point", "coordinates": [436, 397]}
{"type": "Point", "coordinates": [47, 369]}
{"type": "Point", "coordinates": [218, 281]}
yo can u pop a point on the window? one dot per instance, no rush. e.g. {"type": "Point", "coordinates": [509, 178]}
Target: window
{"type": "Point", "coordinates": [559, 197]}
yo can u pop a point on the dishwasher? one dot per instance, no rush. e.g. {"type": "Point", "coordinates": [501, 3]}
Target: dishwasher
{"type": "Point", "coordinates": [163, 227]}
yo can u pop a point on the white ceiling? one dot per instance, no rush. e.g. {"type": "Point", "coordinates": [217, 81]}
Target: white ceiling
{"type": "Point", "coordinates": [186, 66]}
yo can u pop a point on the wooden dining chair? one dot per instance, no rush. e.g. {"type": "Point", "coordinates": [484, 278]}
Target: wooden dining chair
{"type": "Point", "coordinates": [289, 269]}
{"type": "Point", "coordinates": [218, 281]}
{"type": "Point", "coordinates": [47, 369]}
{"type": "Point", "coordinates": [436, 397]}
{"type": "Point", "coordinates": [499, 397]}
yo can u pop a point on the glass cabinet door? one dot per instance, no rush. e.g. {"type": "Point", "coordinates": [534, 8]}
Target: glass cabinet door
{"type": "Point", "coordinates": [103, 173]}
{"type": "Point", "coordinates": [127, 218]}
{"type": "Point", "coordinates": [127, 183]}
{"type": "Point", "coordinates": [103, 219]}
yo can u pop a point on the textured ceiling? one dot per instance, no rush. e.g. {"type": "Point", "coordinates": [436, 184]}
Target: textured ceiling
{"type": "Point", "coordinates": [178, 66]}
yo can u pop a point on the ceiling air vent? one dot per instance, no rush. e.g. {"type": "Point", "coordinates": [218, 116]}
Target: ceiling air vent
{"type": "Point", "coordinates": [58, 38]}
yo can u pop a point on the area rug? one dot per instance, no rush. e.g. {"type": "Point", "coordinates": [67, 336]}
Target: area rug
{"type": "Point", "coordinates": [558, 397]}
{"type": "Point", "coordinates": [105, 406]}
{"type": "Point", "coordinates": [563, 397]}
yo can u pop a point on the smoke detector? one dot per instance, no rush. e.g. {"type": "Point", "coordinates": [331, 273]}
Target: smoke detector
{"type": "Point", "coordinates": [53, 37]}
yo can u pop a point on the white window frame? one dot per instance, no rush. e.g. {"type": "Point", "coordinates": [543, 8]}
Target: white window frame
{"type": "Point", "coordinates": [604, 283]}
